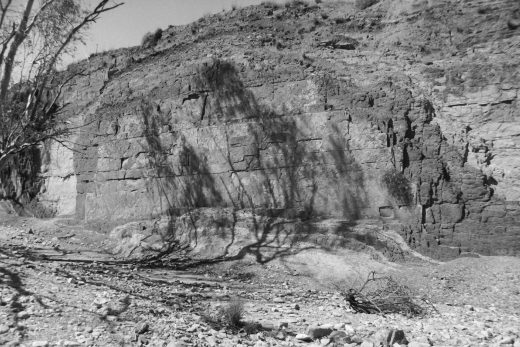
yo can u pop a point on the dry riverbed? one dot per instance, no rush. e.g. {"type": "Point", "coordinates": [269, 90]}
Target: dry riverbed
{"type": "Point", "coordinates": [59, 287]}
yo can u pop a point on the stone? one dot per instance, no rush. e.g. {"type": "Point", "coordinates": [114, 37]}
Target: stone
{"type": "Point", "coordinates": [212, 341]}
{"type": "Point", "coordinates": [280, 335]}
{"type": "Point", "coordinates": [193, 327]}
{"type": "Point", "coordinates": [349, 329]}
{"type": "Point", "coordinates": [40, 344]}
{"type": "Point", "coordinates": [418, 344]}
{"type": "Point", "coordinates": [142, 328]}
{"type": "Point", "coordinates": [23, 315]}
{"type": "Point", "coordinates": [318, 332]}
{"type": "Point", "coordinates": [367, 344]}
{"type": "Point", "coordinates": [339, 337]}
{"type": "Point", "coordinates": [175, 343]}
{"type": "Point", "coordinates": [4, 328]}
{"type": "Point", "coordinates": [507, 340]}
{"type": "Point", "coordinates": [283, 325]}
{"type": "Point", "coordinates": [325, 341]}
{"type": "Point", "coordinates": [387, 337]}
{"type": "Point", "coordinates": [339, 326]}
{"type": "Point", "coordinates": [396, 336]}
{"type": "Point", "coordinates": [303, 337]}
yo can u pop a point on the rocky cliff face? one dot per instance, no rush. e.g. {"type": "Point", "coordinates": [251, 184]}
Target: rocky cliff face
{"type": "Point", "coordinates": [402, 112]}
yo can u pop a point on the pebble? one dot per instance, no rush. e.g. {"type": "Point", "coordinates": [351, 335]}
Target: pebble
{"type": "Point", "coordinates": [4, 328]}
{"type": "Point", "coordinates": [338, 337]}
{"type": "Point", "coordinates": [508, 340]}
{"type": "Point", "coordinates": [303, 337]}
{"type": "Point", "coordinates": [418, 344]}
{"type": "Point", "coordinates": [142, 327]}
{"type": "Point", "coordinates": [349, 329]}
{"type": "Point", "coordinates": [193, 328]}
{"type": "Point", "coordinates": [176, 343]}
{"type": "Point", "coordinates": [23, 315]}
{"type": "Point", "coordinates": [319, 332]}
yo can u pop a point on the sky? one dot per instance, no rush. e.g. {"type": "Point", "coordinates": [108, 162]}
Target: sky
{"type": "Point", "coordinates": [126, 25]}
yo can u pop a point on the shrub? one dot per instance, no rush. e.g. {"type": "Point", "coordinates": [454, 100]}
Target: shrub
{"type": "Point", "coordinates": [232, 314]}
{"type": "Point", "coordinates": [385, 294]}
{"type": "Point", "coordinates": [150, 39]}
{"type": "Point", "coordinates": [363, 4]}
{"type": "Point", "coordinates": [228, 317]}
{"type": "Point", "coordinates": [398, 186]}
{"type": "Point", "coordinates": [40, 210]}
{"type": "Point", "coordinates": [318, 1]}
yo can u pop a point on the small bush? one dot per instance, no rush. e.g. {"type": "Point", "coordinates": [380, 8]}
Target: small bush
{"type": "Point", "coordinates": [318, 1]}
{"type": "Point", "coordinates": [231, 317]}
{"type": "Point", "coordinates": [398, 186]}
{"type": "Point", "coordinates": [363, 4]}
{"type": "Point", "coordinates": [39, 210]}
{"type": "Point", "coordinates": [150, 39]}
{"type": "Point", "coordinates": [232, 314]}
{"type": "Point", "coordinates": [385, 294]}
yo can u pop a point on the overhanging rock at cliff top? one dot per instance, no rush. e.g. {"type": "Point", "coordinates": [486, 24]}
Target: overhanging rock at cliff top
{"type": "Point", "coordinates": [248, 110]}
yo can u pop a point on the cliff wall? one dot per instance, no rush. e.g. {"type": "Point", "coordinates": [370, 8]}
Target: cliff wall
{"type": "Point", "coordinates": [402, 112]}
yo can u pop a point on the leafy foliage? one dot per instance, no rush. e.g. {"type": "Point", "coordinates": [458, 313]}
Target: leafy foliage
{"type": "Point", "coordinates": [151, 39]}
{"type": "Point", "coordinates": [33, 41]}
{"type": "Point", "coordinates": [398, 186]}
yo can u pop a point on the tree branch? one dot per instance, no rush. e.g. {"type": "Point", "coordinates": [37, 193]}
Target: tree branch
{"type": "Point", "coordinates": [9, 61]}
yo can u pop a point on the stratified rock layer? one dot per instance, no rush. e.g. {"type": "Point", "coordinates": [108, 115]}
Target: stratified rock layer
{"type": "Point", "coordinates": [302, 110]}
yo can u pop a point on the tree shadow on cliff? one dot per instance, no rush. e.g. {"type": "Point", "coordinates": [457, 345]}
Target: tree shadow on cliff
{"type": "Point", "coordinates": [184, 187]}
{"type": "Point", "coordinates": [271, 186]}
{"type": "Point", "coordinates": [288, 170]}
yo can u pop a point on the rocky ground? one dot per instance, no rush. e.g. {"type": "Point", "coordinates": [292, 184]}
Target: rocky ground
{"type": "Point", "coordinates": [60, 287]}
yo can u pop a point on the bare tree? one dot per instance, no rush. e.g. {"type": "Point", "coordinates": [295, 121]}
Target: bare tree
{"type": "Point", "coordinates": [33, 40]}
